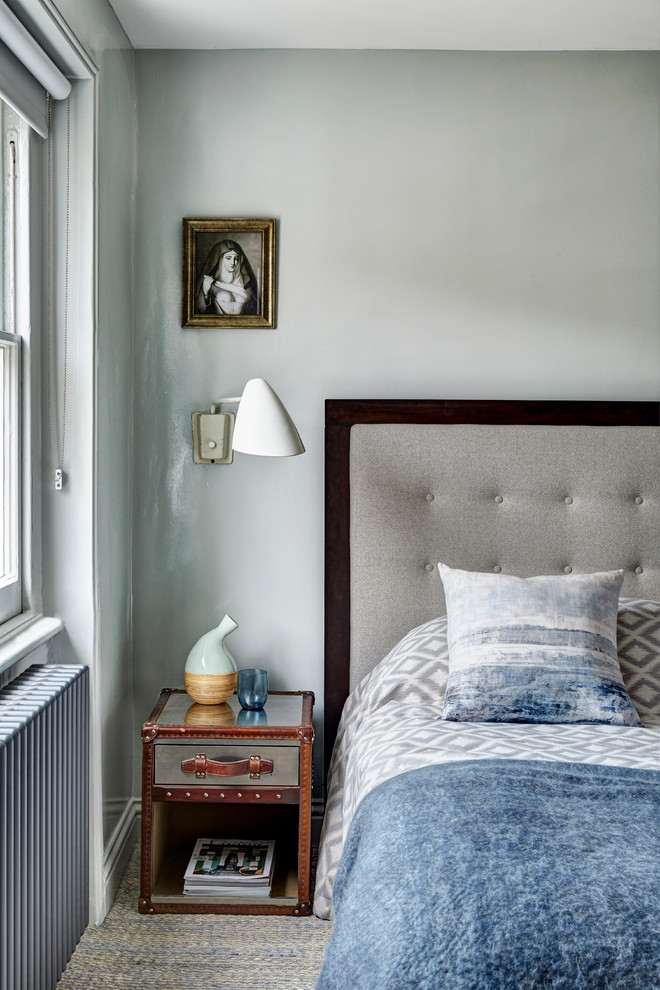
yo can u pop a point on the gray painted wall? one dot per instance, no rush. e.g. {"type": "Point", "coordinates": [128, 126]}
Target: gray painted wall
{"type": "Point", "coordinates": [87, 528]}
{"type": "Point", "coordinates": [114, 478]}
{"type": "Point", "coordinates": [450, 225]}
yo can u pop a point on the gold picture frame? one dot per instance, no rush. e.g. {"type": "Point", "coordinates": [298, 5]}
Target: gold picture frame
{"type": "Point", "coordinates": [228, 273]}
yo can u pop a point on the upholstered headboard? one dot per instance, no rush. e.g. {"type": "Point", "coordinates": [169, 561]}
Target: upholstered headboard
{"type": "Point", "coordinates": [522, 487]}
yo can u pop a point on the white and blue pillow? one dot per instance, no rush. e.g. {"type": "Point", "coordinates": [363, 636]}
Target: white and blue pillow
{"type": "Point", "coordinates": [539, 649]}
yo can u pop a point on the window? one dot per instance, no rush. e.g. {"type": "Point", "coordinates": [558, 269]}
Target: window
{"type": "Point", "coordinates": [13, 225]}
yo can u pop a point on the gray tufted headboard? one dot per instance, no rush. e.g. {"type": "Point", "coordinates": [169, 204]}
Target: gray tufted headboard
{"type": "Point", "coordinates": [522, 487]}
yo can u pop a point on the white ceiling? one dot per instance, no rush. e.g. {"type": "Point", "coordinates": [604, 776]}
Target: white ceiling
{"type": "Point", "coordinates": [472, 25]}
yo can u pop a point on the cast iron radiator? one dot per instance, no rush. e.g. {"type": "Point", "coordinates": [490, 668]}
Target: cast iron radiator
{"type": "Point", "coordinates": [44, 782]}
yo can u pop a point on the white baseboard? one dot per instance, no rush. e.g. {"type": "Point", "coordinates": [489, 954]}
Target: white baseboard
{"type": "Point", "coordinates": [118, 851]}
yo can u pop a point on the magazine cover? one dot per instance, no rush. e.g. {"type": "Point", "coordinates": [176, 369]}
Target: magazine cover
{"type": "Point", "coordinates": [231, 861]}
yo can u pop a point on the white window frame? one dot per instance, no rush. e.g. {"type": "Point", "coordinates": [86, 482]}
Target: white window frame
{"type": "Point", "coordinates": [22, 626]}
{"type": "Point", "coordinates": [14, 207]}
{"type": "Point", "coordinates": [11, 588]}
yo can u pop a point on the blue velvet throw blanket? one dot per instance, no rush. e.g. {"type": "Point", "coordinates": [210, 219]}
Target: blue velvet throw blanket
{"type": "Point", "coordinates": [501, 875]}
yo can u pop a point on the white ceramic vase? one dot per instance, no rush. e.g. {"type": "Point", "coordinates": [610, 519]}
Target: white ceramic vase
{"type": "Point", "coordinates": [210, 671]}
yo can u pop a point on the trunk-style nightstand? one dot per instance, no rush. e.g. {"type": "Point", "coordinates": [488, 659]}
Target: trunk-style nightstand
{"type": "Point", "coordinates": [220, 772]}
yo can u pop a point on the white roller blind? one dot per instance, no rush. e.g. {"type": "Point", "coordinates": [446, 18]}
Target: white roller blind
{"type": "Point", "coordinates": [27, 74]}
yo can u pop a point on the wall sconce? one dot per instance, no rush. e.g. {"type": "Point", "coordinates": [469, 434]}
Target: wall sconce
{"type": "Point", "coordinates": [262, 426]}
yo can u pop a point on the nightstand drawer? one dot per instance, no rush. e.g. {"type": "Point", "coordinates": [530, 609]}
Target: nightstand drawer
{"type": "Point", "coordinates": [224, 765]}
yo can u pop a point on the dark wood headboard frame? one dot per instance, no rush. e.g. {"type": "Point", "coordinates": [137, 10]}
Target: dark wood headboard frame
{"type": "Point", "coordinates": [341, 415]}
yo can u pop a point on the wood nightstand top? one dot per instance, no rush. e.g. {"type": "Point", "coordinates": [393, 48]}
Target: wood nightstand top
{"type": "Point", "coordinates": [285, 715]}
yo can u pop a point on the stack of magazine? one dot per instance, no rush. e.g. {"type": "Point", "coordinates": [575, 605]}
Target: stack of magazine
{"type": "Point", "coordinates": [230, 868]}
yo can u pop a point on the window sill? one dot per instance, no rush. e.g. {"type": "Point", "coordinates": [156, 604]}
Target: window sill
{"type": "Point", "coordinates": [23, 634]}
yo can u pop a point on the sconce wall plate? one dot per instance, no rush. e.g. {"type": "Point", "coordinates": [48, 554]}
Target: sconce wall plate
{"type": "Point", "coordinates": [212, 434]}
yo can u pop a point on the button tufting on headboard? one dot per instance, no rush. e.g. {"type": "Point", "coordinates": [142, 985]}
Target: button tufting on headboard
{"type": "Point", "coordinates": [429, 492]}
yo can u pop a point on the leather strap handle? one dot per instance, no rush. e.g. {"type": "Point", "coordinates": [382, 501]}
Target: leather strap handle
{"type": "Point", "coordinates": [201, 766]}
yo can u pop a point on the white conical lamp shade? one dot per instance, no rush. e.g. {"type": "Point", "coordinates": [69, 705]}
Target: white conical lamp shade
{"type": "Point", "coordinates": [263, 426]}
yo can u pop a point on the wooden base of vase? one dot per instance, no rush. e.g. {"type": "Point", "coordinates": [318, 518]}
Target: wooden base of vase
{"type": "Point", "coordinates": [210, 689]}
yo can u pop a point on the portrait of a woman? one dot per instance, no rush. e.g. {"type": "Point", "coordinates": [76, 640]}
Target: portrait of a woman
{"type": "Point", "coordinates": [228, 272]}
{"type": "Point", "coordinates": [227, 284]}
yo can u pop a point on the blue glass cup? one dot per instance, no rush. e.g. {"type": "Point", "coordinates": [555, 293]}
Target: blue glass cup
{"type": "Point", "coordinates": [252, 688]}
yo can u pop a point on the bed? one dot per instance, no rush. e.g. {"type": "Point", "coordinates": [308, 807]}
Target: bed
{"type": "Point", "coordinates": [467, 846]}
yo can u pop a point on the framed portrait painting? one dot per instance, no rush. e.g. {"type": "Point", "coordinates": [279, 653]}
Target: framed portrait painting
{"type": "Point", "coordinates": [228, 273]}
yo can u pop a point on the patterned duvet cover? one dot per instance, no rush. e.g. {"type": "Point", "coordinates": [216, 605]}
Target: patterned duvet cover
{"type": "Point", "coordinates": [391, 725]}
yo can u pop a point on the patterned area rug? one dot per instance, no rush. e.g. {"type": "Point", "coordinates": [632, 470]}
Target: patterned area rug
{"type": "Point", "coordinates": [130, 951]}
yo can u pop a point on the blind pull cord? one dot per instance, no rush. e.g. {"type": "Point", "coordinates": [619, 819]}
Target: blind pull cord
{"type": "Point", "coordinates": [57, 469]}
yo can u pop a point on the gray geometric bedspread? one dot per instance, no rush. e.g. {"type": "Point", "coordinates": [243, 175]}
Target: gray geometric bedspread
{"type": "Point", "coordinates": [391, 725]}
